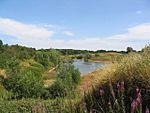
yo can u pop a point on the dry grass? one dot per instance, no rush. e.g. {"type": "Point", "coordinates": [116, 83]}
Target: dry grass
{"type": "Point", "coordinates": [97, 77]}
{"type": "Point", "coordinates": [106, 57]}
{"type": "Point", "coordinates": [3, 73]}
{"type": "Point", "coordinates": [27, 63]}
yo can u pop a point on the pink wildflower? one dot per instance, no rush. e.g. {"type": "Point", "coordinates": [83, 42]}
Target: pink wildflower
{"type": "Point", "coordinates": [120, 86]}
{"type": "Point", "coordinates": [134, 106]}
{"type": "Point", "coordinates": [147, 110]}
{"type": "Point", "coordinates": [101, 92]}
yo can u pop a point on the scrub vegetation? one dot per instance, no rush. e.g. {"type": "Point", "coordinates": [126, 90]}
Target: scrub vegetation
{"type": "Point", "coordinates": [45, 81]}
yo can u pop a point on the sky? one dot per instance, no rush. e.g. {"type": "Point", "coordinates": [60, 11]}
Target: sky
{"type": "Point", "coordinates": [76, 24]}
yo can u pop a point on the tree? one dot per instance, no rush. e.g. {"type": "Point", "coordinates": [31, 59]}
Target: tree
{"type": "Point", "coordinates": [129, 49]}
{"type": "Point", "coordinates": [87, 56]}
{"type": "Point", "coordinates": [1, 46]}
{"type": "Point", "coordinates": [1, 42]}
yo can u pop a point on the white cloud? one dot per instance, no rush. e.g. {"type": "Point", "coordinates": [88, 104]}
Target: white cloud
{"type": "Point", "coordinates": [68, 33]}
{"type": "Point", "coordinates": [41, 37]}
{"type": "Point", "coordinates": [23, 31]}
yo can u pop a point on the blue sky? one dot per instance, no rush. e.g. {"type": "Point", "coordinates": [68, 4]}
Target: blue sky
{"type": "Point", "coordinates": [77, 24]}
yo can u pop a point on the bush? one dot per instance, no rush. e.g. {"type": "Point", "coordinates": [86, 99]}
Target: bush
{"type": "Point", "coordinates": [58, 89]}
{"type": "Point", "coordinates": [4, 94]}
{"type": "Point", "coordinates": [27, 84]}
{"type": "Point", "coordinates": [69, 74]}
{"type": "Point", "coordinates": [67, 79]}
{"type": "Point", "coordinates": [12, 66]}
{"type": "Point", "coordinates": [50, 58]}
{"type": "Point", "coordinates": [79, 57]}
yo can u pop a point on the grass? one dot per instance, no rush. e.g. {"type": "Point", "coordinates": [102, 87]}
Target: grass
{"type": "Point", "coordinates": [106, 57]}
{"type": "Point", "coordinates": [133, 69]}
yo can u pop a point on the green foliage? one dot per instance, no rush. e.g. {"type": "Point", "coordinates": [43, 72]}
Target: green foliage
{"type": "Point", "coordinates": [38, 106]}
{"type": "Point", "coordinates": [50, 58]}
{"type": "Point", "coordinates": [79, 57]}
{"type": "Point", "coordinates": [12, 65]}
{"type": "Point", "coordinates": [1, 42]}
{"type": "Point", "coordinates": [14, 51]}
{"type": "Point", "coordinates": [27, 84]}
{"type": "Point", "coordinates": [58, 89]}
{"type": "Point", "coordinates": [4, 94]}
{"type": "Point", "coordinates": [69, 74]}
{"type": "Point", "coordinates": [130, 49]}
{"type": "Point", "coordinates": [67, 78]}
{"type": "Point", "coordinates": [87, 56]}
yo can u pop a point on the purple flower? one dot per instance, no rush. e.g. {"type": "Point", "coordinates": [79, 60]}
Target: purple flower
{"type": "Point", "coordinates": [147, 110]}
{"type": "Point", "coordinates": [137, 102]}
{"type": "Point", "coordinates": [134, 106]}
{"type": "Point", "coordinates": [91, 111]}
{"type": "Point", "coordinates": [120, 86]}
{"type": "Point", "coordinates": [101, 92]}
{"type": "Point", "coordinates": [109, 103]}
{"type": "Point", "coordinates": [139, 94]}
{"type": "Point", "coordinates": [137, 90]}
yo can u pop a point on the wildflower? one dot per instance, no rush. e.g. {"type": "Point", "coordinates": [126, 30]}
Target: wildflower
{"type": "Point", "coordinates": [109, 103]}
{"type": "Point", "coordinates": [147, 110]}
{"type": "Point", "coordinates": [134, 106]}
{"type": "Point", "coordinates": [137, 102]}
{"type": "Point", "coordinates": [138, 94]}
{"type": "Point", "coordinates": [101, 92]}
{"type": "Point", "coordinates": [137, 90]}
{"type": "Point", "coordinates": [120, 86]}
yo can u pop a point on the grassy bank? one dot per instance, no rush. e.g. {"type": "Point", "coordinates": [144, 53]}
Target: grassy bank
{"type": "Point", "coordinates": [132, 74]}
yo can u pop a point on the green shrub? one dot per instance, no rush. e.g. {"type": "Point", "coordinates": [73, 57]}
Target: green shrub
{"type": "Point", "coordinates": [27, 84]}
{"type": "Point", "coordinates": [69, 74]}
{"type": "Point", "coordinates": [4, 94]}
{"type": "Point", "coordinates": [12, 65]}
{"type": "Point", "coordinates": [58, 89]}
{"type": "Point", "coordinates": [50, 58]}
{"type": "Point", "coordinates": [67, 79]}
{"type": "Point", "coordinates": [79, 56]}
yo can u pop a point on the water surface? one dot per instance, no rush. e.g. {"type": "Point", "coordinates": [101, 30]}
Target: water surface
{"type": "Point", "coordinates": [87, 67]}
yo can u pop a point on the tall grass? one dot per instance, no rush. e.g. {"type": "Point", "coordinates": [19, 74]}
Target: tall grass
{"type": "Point", "coordinates": [133, 71]}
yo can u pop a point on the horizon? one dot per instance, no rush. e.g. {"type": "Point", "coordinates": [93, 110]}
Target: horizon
{"type": "Point", "coordinates": [80, 25]}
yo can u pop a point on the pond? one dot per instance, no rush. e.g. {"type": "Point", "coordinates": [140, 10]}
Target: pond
{"type": "Point", "coordinates": [87, 67]}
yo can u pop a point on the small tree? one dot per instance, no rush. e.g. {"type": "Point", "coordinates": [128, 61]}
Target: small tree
{"type": "Point", "coordinates": [1, 46]}
{"type": "Point", "coordinates": [87, 56]}
{"type": "Point", "coordinates": [129, 49]}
